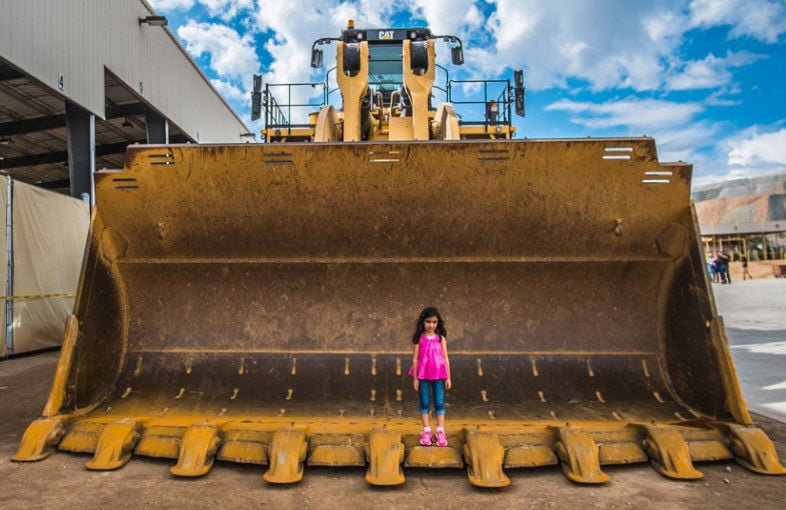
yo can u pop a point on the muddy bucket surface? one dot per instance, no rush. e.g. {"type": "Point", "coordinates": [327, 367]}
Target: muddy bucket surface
{"type": "Point", "coordinates": [256, 304]}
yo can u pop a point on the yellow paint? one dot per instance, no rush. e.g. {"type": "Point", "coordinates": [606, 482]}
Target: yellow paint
{"type": "Point", "coordinates": [385, 454]}
{"type": "Point", "coordinates": [579, 456]}
{"type": "Point", "coordinates": [57, 393]}
{"type": "Point", "coordinates": [115, 445]}
{"type": "Point", "coordinates": [419, 89]}
{"type": "Point", "coordinates": [353, 89]}
{"type": "Point", "coordinates": [287, 455]}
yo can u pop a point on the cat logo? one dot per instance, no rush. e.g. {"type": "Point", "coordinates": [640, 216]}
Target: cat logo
{"type": "Point", "coordinates": [386, 35]}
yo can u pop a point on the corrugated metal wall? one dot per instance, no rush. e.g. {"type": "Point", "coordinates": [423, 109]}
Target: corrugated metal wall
{"type": "Point", "coordinates": [78, 38]}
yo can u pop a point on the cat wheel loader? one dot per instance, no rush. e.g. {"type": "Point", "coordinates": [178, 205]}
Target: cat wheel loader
{"type": "Point", "coordinates": [254, 303]}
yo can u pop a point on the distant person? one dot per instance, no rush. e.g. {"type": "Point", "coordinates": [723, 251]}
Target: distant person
{"type": "Point", "coordinates": [710, 269]}
{"type": "Point", "coordinates": [745, 274]}
{"type": "Point", "coordinates": [724, 265]}
{"type": "Point", "coordinates": [717, 270]}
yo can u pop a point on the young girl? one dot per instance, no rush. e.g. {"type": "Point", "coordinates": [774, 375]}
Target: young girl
{"type": "Point", "coordinates": [431, 369]}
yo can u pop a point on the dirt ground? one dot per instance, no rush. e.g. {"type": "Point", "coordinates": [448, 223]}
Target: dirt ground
{"type": "Point", "coordinates": [61, 480]}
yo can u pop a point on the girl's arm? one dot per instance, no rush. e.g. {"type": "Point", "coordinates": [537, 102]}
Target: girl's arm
{"type": "Point", "coordinates": [444, 342]}
{"type": "Point", "coordinates": [415, 383]}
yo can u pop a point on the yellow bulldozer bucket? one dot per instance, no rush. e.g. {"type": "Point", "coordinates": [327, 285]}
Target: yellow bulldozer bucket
{"type": "Point", "coordinates": [255, 304]}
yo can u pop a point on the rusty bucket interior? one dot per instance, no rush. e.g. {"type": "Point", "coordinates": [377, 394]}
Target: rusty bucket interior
{"type": "Point", "coordinates": [241, 301]}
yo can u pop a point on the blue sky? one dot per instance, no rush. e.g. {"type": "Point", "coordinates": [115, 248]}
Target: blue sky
{"type": "Point", "coordinates": [704, 77]}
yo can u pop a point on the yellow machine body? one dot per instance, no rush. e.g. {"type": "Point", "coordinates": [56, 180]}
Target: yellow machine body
{"type": "Point", "coordinates": [255, 303]}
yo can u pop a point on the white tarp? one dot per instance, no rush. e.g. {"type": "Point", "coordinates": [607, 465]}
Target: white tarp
{"type": "Point", "coordinates": [49, 234]}
{"type": "Point", "coordinates": [3, 260]}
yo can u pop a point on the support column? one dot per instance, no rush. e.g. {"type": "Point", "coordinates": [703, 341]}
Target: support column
{"type": "Point", "coordinates": [81, 130]}
{"type": "Point", "coordinates": [156, 127]}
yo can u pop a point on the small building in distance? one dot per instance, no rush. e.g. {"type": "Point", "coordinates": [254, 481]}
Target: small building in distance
{"type": "Point", "coordinates": [744, 217]}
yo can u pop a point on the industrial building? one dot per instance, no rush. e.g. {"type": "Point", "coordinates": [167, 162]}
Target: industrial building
{"type": "Point", "coordinates": [745, 218]}
{"type": "Point", "coordinates": [79, 82]}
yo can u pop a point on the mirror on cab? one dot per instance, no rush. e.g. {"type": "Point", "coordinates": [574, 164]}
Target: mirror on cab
{"type": "Point", "coordinates": [316, 57]}
{"type": "Point", "coordinates": [457, 55]}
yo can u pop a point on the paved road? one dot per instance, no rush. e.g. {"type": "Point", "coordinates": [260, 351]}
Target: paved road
{"type": "Point", "coordinates": [755, 316]}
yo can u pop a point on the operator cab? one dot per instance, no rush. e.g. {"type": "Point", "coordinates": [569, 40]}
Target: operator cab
{"type": "Point", "coordinates": [390, 75]}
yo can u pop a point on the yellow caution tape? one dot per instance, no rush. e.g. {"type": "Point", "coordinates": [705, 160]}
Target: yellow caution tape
{"type": "Point", "coordinates": [37, 296]}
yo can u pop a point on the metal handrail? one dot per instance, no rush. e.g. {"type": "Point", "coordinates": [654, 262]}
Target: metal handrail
{"type": "Point", "coordinates": [279, 115]}
{"type": "Point", "coordinates": [275, 114]}
{"type": "Point", "coordinates": [504, 98]}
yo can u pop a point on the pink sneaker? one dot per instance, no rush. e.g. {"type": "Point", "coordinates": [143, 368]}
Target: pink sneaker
{"type": "Point", "coordinates": [442, 439]}
{"type": "Point", "coordinates": [425, 438]}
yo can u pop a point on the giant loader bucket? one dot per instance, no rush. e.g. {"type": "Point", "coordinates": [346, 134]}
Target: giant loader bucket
{"type": "Point", "coordinates": [255, 304]}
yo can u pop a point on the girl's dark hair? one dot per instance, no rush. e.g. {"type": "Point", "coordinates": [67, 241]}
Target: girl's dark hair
{"type": "Point", "coordinates": [429, 312]}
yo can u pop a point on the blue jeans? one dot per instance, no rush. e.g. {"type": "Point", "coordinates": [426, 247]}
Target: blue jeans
{"type": "Point", "coordinates": [425, 389]}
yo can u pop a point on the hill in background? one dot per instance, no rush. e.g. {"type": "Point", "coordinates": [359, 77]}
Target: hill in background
{"type": "Point", "coordinates": [751, 200]}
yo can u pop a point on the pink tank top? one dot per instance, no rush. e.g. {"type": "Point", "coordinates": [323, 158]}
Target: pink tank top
{"type": "Point", "coordinates": [431, 360]}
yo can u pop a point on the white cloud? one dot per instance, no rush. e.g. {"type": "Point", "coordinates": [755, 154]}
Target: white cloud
{"type": "Point", "coordinates": [231, 56]}
{"type": "Point", "coordinates": [764, 20]}
{"type": "Point", "coordinates": [605, 43]}
{"type": "Point", "coordinates": [633, 113]}
{"type": "Point", "coordinates": [625, 45]}
{"type": "Point", "coordinates": [664, 26]}
{"type": "Point", "coordinates": [296, 24]}
{"type": "Point", "coordinates": [711, 72]}
{"type": "Point", "coordinates": [683, 142]}
{"type": "Point", "coordinates": [230, 92]}
{"type": "Point", "coordinates": [762, 151]}
{"type": "Point", "coordinates": [457, 17]}
{"type": "Point", "coordinates": [693, 143]}
{"type": "Point", "coordinates": [701, 74]}
{"type": "Point", "coordinates": [171, 5]}
{"type": "Point", "coordinates": [224, 9]}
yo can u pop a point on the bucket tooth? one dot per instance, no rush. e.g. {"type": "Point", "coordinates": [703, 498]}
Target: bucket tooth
{"type": "Point", "coordinates": [115, 445]}
{"type": "Point", "coordinates": [669, 453]}
{"type": "Point", "coordinates": [385, 454]}
{"type": "Point", "coordinates": [287, 454]}
{"type": "Point", "coordinates": [753, 450]}
{"type": "Point", "coordinates": [484, 455]}
{"type": "Point", "coordinates": [197, 450]}
{"type": "Point", "coordinates": [40, 439]}
{"type": "Point", "coordinates": [579, 456]}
